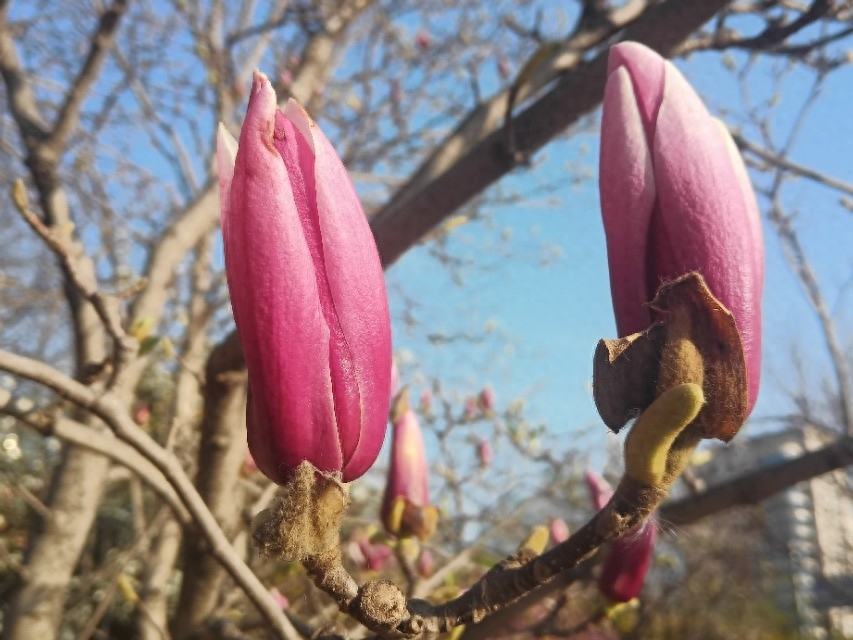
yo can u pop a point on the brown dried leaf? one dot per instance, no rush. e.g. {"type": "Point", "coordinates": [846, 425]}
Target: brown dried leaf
{"type": "Point", "coordinates": [629, 373]}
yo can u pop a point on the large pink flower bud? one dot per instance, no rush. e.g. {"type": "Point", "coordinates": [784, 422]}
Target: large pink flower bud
{"type": "Point", "coordinates": [625, 567]}
{"type": "Point", "coordinates": [308, 294]}
{"type": "Point", "coordinates": [406, 509]}
{"type": "Point", "coordinates": [675, 198]}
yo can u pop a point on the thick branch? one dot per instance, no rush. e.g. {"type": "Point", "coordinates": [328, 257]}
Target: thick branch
{"type": "Point", "coordinates": [413, 213]}
{"type": "Point", "coordinates": [759, 485]}
{"type": "Point", "coordinates": [222, 452]}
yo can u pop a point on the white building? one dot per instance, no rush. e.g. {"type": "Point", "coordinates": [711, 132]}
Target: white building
{"type": "Point", "coordinates": [809, 536]}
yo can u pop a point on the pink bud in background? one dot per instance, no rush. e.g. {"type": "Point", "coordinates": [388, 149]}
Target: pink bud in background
{"type": "Point", "coordinates": [142, 414]}
{"type": "Point", "coordinates": [675, 198]}
{"type": "Point", "coordinates": [406, 509]}
{"type": "Point", "coordinates": [423, 40]}
{"type": "Point", "coordinates": [484, 453]}
{"type": "Point", "coordinates": [376, 556]}
{"type": "Point", "coordinates": [249, 465]}
{"type": "Point", "coordinates": [426, 401]}
{"type": "Point", "coordinates": [425, 564]}
{"type": "Point", "coordinates": [395, 378]}
{"type": "Point", "coordinates": [559, 530]}
{"type": "Point", "coordinates": [280, 599]}
{"type": "Point", "coordinates": [486, 399]}
{"type": "Point", "coordinates": [471, 409]}
{"type": "Point", "coordinates": [285, 76]}
{"type": "Point", "coordinates": [503, 68]}
{"type": "Point", "coordinates": [308, 294]}
{"type": "Point", "coordinates": [600, 490]}
{"type": "Point", "coordinates": [630, 556]}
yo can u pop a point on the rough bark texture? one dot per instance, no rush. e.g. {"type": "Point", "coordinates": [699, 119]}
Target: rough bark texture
{"type": "Point", "coordinates": [36, 610]}
{"type": "Point", "coordinates": [221, 454]}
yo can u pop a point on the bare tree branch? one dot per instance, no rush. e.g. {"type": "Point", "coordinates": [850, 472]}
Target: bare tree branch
{"type": "Point", "coordinates": [109, 408]}
{"type": "Point", "coordinates": [757, 486]}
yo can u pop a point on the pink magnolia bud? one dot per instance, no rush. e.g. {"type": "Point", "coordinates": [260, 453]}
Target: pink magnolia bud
{"type": "Point", "coordinates": [675, 198]}
{"type": "Point", "coordinates": [280, 599]}
{"type": "Point", "coordinates": [249, 465]}
{"type": "Point", "coordinates": [142, 414]}
{"type": "Point", "coordinates": [425, 564]}
{"type": "Point", "coordinates": [484, 453]}
{"type": "Point", "coordinates": [625, 568]}
{"type": "Point", "coordinates": [406, 509]}
{"type": "Point", "coordinates": [600, 490]}
{"type": "Point", "coordinates": [308, 294]}
{"type": "Point", "coordinates": [486, 399]}
{"type": "Point", "coordinates": [375, 556]}
{"type": "Point", "coordinates": [423, 40]}
{"type": "Point", "coordinates": [426, 401]}
{"type": "Point", "coordinates": [630, 556]}
{"type": "Point", "coordinates": [559, 530]}
{"type": "Point", "coordinates": [395, 378]}
{"type": "Point", "coordinates": [471, 409]}
{"type": "Point", "coordinates": [503, 68]}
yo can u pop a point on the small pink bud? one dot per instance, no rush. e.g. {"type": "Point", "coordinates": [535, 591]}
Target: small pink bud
{"type": "Point", "coordinates": [559, 530]}
{"type": "Point", "coordinates": [406, 509]}
{"type": "Point", "coordinates": [675, 198]}
{"type": "Point", "coordinates": [395, 378]}
{"type": "Point", "coordinates": [472, 410]}
{"type": "Point", "coordinates": [503, 68]}
{"type": "Point", "coordinates": [425, 564]}
{"type": "Point", "coordinates": [484, 453]}
{"type": "Point", "coordinates": [426, 401]}
{"type": "Point", "coordinates": [142, 414]}
{"type": "Point", "coordinates": [308, 294]}
{"type": "Point", "coordinates": [600, 490]}
{"type": "Point", "coordinates": [285, 76]}
{"type": "Point", "coordinates": [486, 399]}
{"type": "Point", "coordinates": [375, 556]}
{"type": "Point", "coordinates": [249, 465]}
{"type": "Point", "coordinates": [280, 599]}
{"type": "Point", "coordinates": [624, 570]}
{"type": "Point", "coordinates": [423, 40]}
{"type": "Point", "coordinates": [630, 556]}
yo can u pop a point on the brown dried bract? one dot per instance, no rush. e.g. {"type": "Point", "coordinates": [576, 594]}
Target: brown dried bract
{"type": "Point", "coordinates": [629, 373]}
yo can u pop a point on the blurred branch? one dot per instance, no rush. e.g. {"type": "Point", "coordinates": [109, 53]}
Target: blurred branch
{"type": "Point", "coordinates": [105, 444]}
{"type": "Point", "coordinates": [474, 156]}
{"type": "Point", "coordinates": [109, 408]}
{"type": "Point", "coordinates": [754, 487]}
{"type": "Point", "coordinates": [79, 269]}
{"type": "Point", "coordinates": [783, 163]}
{"type": "Point", "coordinates": [100, 45]}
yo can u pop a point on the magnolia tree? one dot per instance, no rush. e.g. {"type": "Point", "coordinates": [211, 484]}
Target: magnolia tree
{"type": "Point", "coordinates": [166, 475]}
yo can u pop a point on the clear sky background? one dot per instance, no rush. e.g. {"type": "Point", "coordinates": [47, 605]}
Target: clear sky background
{"type": "Point", "coordinates": [541, 318]}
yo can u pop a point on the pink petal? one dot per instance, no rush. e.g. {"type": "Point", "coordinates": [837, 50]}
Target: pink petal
{"type": "Point", "coordinates": [646, 70]}
{"type": "Point", "coordinates": [703, 204]}
{"type": "Point", "coordinates": [627, 188]}
{"type": "Point", "coordinates": [356, 283]}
